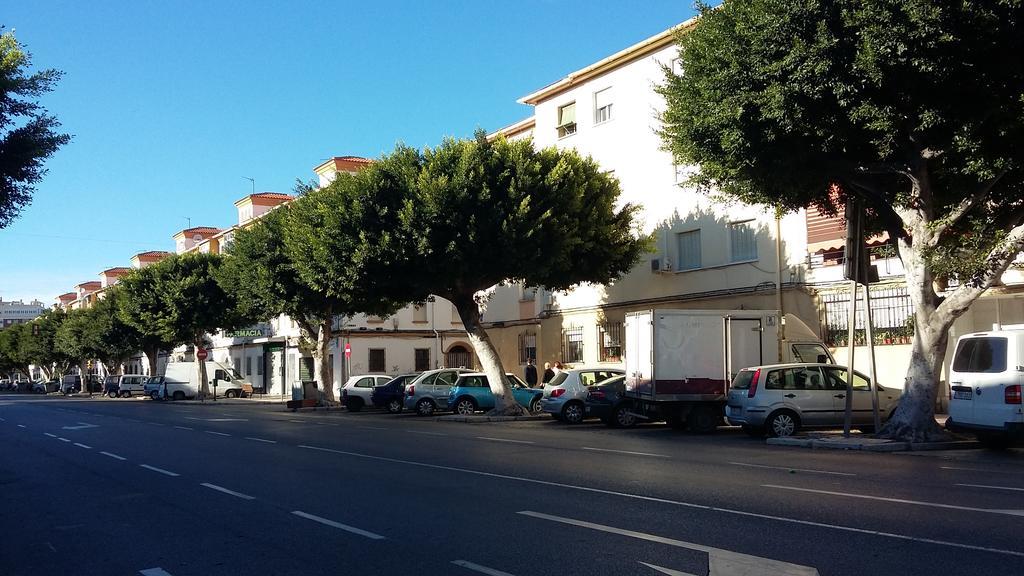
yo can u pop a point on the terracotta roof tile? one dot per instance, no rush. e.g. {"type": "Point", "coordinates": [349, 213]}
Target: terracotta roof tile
{"type": "Point", "coordinates": [152, 253]}
{"type": "Point", "coordinates": [201, 230]}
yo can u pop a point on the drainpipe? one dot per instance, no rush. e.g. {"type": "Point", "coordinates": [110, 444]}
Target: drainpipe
{"type": "Point", "coordinates": [778, 283]}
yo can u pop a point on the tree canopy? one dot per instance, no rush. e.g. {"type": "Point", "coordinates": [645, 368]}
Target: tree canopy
{"type": "Point", "coordinates": [455, 220]}
{"type": "Point", "coordinates": [913, 106]}
{"type": "Point", "coordinates": [28, 133]}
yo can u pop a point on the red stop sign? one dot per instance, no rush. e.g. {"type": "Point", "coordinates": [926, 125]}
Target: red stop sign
{"type": "Point", "coordinates": [201, 354]}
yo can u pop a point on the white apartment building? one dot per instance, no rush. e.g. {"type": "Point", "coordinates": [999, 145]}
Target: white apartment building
{"type": "Point", "coordinates": [18, 312]}
{"type": "Point", "coordinates": [707, 254]}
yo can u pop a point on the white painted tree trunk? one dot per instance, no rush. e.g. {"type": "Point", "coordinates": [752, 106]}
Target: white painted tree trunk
{"type": "Point", "coordinates": [83, 369]}
{"type": "Point", "coordinates": [504, 402]}
{"type": "Point", "coordinates": [204, 383]}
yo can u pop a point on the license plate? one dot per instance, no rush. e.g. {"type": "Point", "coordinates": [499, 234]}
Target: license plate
{"type": "Point", "coordinates": [962, 394]}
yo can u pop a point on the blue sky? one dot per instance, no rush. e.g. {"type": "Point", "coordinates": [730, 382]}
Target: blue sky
{"type": "Point", "coordinates": [171, 104]}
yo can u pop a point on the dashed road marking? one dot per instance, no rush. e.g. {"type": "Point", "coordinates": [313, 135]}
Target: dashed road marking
{"type": "Point", "coordinates": [160, 470]}
{"type": "Point", "coordinates": [261, 440]}
{"type": "Point", "coordinates": [791, 469]}
{"type": "Point", "coordinates": [426, 433]}
{"type": "Point", "coordinates": [367, 427]}
{"type": "Point", "coordinates": [691, 505]}
{"type": "Point", "coordinates": [504, 440]}
{"type": "Point", "coordinates": [80, 445]}
{"type": "Point", "coordinates": [155, 424]}
{"type": "Point", "coordinates": [625, 452]}
{"type": "Point", "coordinates": [478, 568]}
{"type": "Point", "coordinates": [50, 435]}
{"type": "Point", "coordinates": [217, 433]}
{"type": "Point", "coordinates": [21, 426]}
{"type": "Point", "coordinates": [63, 439]}
{"type": "Point", "coordinates": [338, 525]}
{"type": "Point", "coordinates": [900, 500]}
{"type": "Point", "coordinates": [154, 572]}
{"type": "Point", "coordinates": [992, 487]}
{"type": "Point", "coordinates": [184, 428]}
{"type": "Point", "coordinates": [226, 491]}
{"type": "Point", "coordinates": [114, 456]}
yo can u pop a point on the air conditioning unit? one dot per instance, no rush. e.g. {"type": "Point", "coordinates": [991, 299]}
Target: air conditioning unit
{"type": "Point", "coordinates": [659, 265]}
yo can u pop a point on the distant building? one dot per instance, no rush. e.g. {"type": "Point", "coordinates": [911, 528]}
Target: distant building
{"type": "Point", "coordinates": [18, 312]}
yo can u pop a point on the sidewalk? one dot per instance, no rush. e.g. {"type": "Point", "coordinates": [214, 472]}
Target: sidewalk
{"type": "Point", "coordinates": [834, 440]}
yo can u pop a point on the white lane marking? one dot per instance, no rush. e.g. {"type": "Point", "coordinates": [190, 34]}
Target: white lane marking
{"type": "Point", "coordinates": [720, 562]}
{"type": "Point", "coordinates": [299, 421]}
{"type": "Point", "coordinates": [667, 571]}
{"type": "Point", "coordinates": [792, 469]}
{"type": "Point", "coordinates": [115, 456]}
{"type": "Point", "coordinates": [980, 470]}
{"type": "Point", "coordinates": [155, 424]}
{"type": "Point", "coordinates": [63, 439]}
{"type": "Point", "coordinates": [261, 440]}
{"type": "Point", "coordinates": [155, 572]}
{"type": "Point", "coordinates": [338, 525]}
{"type": "Point", "coordinates": [160, 470]}
{"type": "Point", "coordinates": [427, 433]}
{"type": "Point", "coordinates": [899, 500]}
{"type": "Point", "coordinates": [670, 502]}
{"type": "Point", "coordinates": [217, 433]}
{"type": "Point", "coordinates": [625, 452]}
{"type": "Point", "coordinates": [50, 435]}
{"type": "Point", "coordinates": [80, 445]}
{"type": "Point", "coordinates": [226, 491]}
{"type": "Point", "coordinates": [227, 419]}
{"type": "Point", "coordinates": [3, 419]}
{"type": "Point", "coordinates": [82, 426]}
{"type": "Point", "coordinates": [504, 440]}
{"type": "Point", "coordinates": [992, 487]}
{"type": "Point", "coordinates": [479, 568]}
{"type": "Point", "coordinates": [183, 428]}
{"type": "Point", "coordinates": [367, 427]}
{"type": "Point", "coordinates": [22, 426]}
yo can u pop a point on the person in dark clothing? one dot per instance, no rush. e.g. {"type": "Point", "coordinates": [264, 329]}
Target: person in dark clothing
{"type": "Point", "coordinates": [530, 373]}
{"type": "Point", "coordinates": [548, 372]}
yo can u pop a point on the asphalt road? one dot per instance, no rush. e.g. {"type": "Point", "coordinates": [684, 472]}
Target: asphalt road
{"type": "Point", "coordinates": [101, 486]}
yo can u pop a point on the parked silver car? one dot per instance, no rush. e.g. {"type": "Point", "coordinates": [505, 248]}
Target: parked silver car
{"type": "Point", "coordinates": [565, 394]}
{"type": "Point", "coordinates": [429, 392]}
{"type": "Point", "coordinates": [781, 399]}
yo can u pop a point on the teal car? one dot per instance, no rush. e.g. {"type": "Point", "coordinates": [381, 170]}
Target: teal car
{"type": "Point", "coordinates": [471, 393]}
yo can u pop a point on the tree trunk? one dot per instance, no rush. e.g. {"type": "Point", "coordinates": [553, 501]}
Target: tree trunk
{"type": "Point", "coordinates": [151, 356]}
{"type": "Point", "coordinates": [504, 402]}
{"type": "Point", "coordinates": [83, 370]}
{"type": "Point", "coordinates": [321, 354]}
{"type": "Point", "coordinates": [914, 417]}
{"type": "Point", "coordinates": [204, 384]}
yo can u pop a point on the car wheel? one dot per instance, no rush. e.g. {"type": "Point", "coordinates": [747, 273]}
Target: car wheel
{"type": "Point", "coordinates": [354, 404]}
{"type": "Point", "coordinates": [231, 394]}
{"type": "Point", "coordinates": [572, 413]}
{"type": "Point", "coordinates": [623, 417]}
{"type": "Point", "coordinates": [178, 395]}
{"type": "Point", "coordinates": [155, 394]}
{"type": "Point", "coordinates": [465, 406]}
{"type": "Point", "coordinates": [425, 407]}
{"type": "Point", "coordinates": [394, 406]}
{"type": "Point", "coordinates": [535, 406]}
{"type": "Point", "coordinates": [783, 423]}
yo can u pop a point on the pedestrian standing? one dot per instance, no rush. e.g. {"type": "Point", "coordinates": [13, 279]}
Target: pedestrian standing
{"type": "Point", "coordinates": [558, 368]}
{"type": "Point", "coordinates": [548, 372]}
{"type": "Point", "coordinates": [530, 373]}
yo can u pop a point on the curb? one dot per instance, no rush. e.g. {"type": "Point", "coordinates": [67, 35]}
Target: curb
{"type": "Point", "coordinates": [871, 444]}
{"type": "Point", "coordinates": [485, 419]}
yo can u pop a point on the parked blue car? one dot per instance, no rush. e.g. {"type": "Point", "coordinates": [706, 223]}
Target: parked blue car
{"type": "Point", "coordinates": [471, 393]}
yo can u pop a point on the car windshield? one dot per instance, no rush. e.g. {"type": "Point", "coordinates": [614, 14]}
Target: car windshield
{"type": "Point", "coordinates": [155, 380]}
{"type": "Point", "coordinates": [742, 380]}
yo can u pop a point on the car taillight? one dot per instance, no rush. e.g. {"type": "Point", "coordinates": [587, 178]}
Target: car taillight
{"type": "Point", "coordinates": [753, 383]}
{"type": "Point", "coordinates": [411, 390]}
{"type": "Point", "coordinates": [1012, 394]}
{"type": "Point", "coordinates": [557, 392]}
{"type": "Point", "coordinates": [596, 395]}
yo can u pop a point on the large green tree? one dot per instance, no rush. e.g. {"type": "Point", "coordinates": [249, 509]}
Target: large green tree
{"type": "Point", "coordinates": [117, 340]}
{"type": "Point", "coordinates": [458, 219]}
{"type": "Point", "coordinates": [260, 273]}
{"type": "Point", "coordinates": [78, 339]}
{"type": "Point", "coordinates": [39, 346]}
{"type": "Point", "coordinates": [179, 301]}
{"type": "Point", "coordinates": [28, 133]}
{"type": "Point", "coordinates": [915, 107]}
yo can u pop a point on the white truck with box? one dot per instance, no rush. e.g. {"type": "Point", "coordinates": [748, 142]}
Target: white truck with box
{"type": "Point", "coordinates": [182, 380]}
{"type": "Point", "coordinates": [679, 363]}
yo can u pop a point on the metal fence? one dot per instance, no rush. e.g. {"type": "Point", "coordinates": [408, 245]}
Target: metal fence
{"type": "Point", "coordinates": [892, 316]}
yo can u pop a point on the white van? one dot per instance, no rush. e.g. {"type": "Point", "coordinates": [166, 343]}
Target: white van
{"type": "Point", "coordinates": [182, 380]}
{"type": "Point", "coordinates": [131, 383]}
{"type": "Point", "coordinates": [985, 381]}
